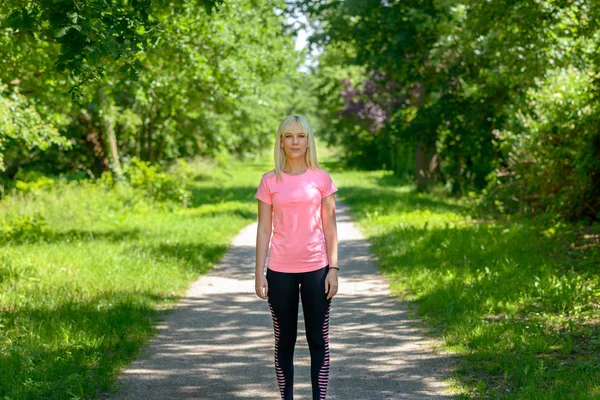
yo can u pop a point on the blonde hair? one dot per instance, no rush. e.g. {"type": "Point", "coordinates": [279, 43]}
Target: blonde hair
{"type": "Point", "coordinates": [311, 153]}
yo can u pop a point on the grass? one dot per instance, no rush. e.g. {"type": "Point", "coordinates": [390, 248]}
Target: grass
{"type": "Point", "coordinates": [85, 273]}
{"type": "Point", "coordinates": [517, 300]}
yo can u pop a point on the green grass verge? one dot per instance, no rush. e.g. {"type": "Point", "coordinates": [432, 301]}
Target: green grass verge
{"type": "Point", "coordinates": [86, 271]}
{"type": "Point", "coordinates": [517, 300]}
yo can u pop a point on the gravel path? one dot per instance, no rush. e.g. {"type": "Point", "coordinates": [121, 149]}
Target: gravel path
{"type": "Point", "coordinates": [218, 344]}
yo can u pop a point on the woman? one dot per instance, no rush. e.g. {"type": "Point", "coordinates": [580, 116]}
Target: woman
{"type": "Point", "coordinates": [296, 203]}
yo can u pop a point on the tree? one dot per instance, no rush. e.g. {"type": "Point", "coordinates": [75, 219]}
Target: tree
{"type": "Point", "coordinates": [22, 126]}
{"type": "Point", "coordinates": [93, 31]}
{"type": "Point", "coordinates": [212, 83]}
{"type": "Point", "coordinates": [466, 72]}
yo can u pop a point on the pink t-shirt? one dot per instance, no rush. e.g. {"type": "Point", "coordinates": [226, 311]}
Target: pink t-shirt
{"type": "Point", "coordinates": [297, 244]}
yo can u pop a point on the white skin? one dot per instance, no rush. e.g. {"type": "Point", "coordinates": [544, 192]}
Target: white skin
{"type": "Point", "coordinates": [295, 144]}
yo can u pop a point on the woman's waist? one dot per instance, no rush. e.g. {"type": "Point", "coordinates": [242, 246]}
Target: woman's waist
{"type": "Point", "coordinates": [298, 251]}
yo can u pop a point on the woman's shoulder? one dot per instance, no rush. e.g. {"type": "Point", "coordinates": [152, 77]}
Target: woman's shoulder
{"type": "Point", "coordinates": [269, 175]}
{"type": "Point", "coordinates": [321, 173]}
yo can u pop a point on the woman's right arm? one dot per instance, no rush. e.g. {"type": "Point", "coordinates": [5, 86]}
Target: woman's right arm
{"type": "Point", "coordinates": [263, 236]}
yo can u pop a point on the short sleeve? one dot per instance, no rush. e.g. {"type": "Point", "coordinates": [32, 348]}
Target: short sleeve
{"type": "Point", "coordinates": [263, 193]}
{"type": "Point", "coordinates": [328, 186]}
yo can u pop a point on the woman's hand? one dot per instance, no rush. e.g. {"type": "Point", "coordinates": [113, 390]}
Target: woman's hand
{"type": "Point", "coordinates": [331, 283]}
{"type": "Point", "coordinates": [261, 286]}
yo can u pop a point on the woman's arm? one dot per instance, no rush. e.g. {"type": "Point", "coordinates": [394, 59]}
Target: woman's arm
{"type": "Point", "coordinates": [331, 242]}
{"type": "Point", "coordinates": [263, 236]}
{"type": "Point", "coordinates": [330, 228]}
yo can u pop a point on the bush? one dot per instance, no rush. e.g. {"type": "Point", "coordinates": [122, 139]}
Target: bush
{"type": "Point", "coordinates": [552, 157]}
{"type": "Point", "coordinates": [33, 181]}
{"type": "Point", "coordinates": [172, 185]}
{"type": "Point", "coordinates": [22, 228]}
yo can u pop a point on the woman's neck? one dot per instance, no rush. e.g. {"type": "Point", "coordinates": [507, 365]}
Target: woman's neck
{"type": "Point", "coordinates": [293, 167]}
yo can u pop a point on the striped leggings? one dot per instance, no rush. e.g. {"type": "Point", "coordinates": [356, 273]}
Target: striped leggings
{"type": "Point", "coordinates": [284, 292]}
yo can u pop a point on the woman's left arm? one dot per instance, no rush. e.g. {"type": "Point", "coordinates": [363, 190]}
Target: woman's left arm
{"type": "Point", "coordinates": [331, 242]}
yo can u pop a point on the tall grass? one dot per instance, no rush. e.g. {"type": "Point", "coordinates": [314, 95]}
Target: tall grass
{"type": "Point", "coordinates": [518, 300]}
{"type": "Point", "coordinates": [84, 271]}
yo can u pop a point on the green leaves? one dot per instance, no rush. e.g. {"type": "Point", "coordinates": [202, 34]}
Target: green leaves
{"type": "Point", "coordinates": [467, 69]}
{"type": "Point", "coordinates": [89, 32]}
{"type": "Point", "coordinates": [21, 125]}
{"type": "Point", "coordinates": [554, 163]}
{"type": "Point", "coordinates": [149, 79]}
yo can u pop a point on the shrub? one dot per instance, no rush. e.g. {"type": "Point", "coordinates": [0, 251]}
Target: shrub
{"type": "Point", "coordinates": [552, 157]}
{"type": "Point", "coordinates": [172, 185]}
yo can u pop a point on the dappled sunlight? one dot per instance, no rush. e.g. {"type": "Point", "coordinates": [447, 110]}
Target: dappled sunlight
{"type": "Point", "coordinates": [510, 297]}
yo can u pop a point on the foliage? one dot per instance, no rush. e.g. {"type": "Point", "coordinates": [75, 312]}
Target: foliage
{"type": "Point", "coordinates": [389, 42]}
{"type": "Point", "coordinates": [555, 163]}
{"type": "Point", "coordinates": [92, 32]}
{"type": "Point", "coordinates": [453, 78]}
{"type": "Point", "coordinates": [173, 185]}
{"type": "Point", "coordinates": [239, 69]}
{"type": "Point", "coordinates": [21, 125]}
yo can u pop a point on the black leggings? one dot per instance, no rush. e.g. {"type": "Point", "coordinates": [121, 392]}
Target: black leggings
{"type": "Point", "coordinates": [284, 291]}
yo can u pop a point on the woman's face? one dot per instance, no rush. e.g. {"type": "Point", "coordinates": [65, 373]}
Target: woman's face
{"type": "Point", "coordinates": [294, 142]}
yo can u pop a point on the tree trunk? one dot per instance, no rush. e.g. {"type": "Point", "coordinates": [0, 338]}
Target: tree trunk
{"type": "Point", "coordinates": [112, 139]}
{"type": "Point", "coordinates": [423, 155]}
{"type": "Point", "coordinates": [141, 153]}
{"type": "Point", "coordinates": [426, 161]}
{"type": "Point", "coordinates": [593, 207]}
{"type": "Point", "coordinates": [109, 132]}
{"type": "Point", "coordinates": [420, 164]}
{"type": "Point", "coordinates": [149, 155]}
{"type": "Point", "coordinates": [94, 141]}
